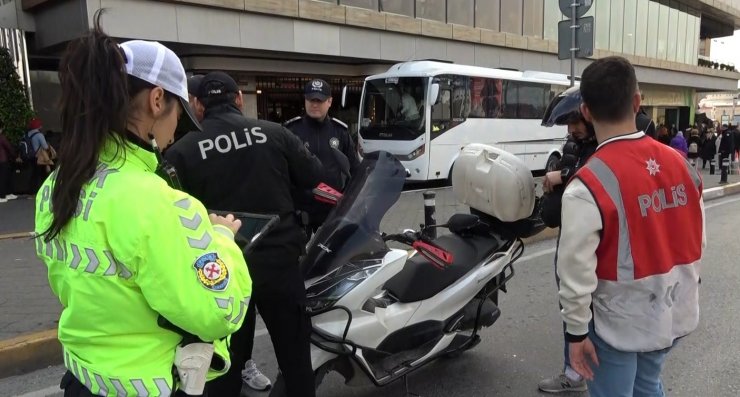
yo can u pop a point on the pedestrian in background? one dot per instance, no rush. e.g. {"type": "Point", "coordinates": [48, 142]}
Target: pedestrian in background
{"type": "Point", "coordinates": [7, 158]}
{"type": "Point", "coordinates": [43, 154]}
{"type": "Point", "coordinates": [679, 143]}
{"type": "Point", "coordinates": [645, 124]}
{"type": "Point", "coordinates": [664, 135]}
{"type": "Point", "coordinates": [694, 147]}
{"type": "Point", "coordinates": [709, 150]}
{"type": "Point", "coordinates": [725, 148]}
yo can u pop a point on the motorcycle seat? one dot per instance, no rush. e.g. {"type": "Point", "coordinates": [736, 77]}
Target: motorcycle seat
{"type": "Point", "coordinates": [421, 280]}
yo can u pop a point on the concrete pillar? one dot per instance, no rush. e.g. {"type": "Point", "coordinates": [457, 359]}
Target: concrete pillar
{"type": "Point", "coordinates": [654, 115]}
{"type": "Point", "coordinates": [249, 90]}
{"type": "Point", "coordinates": [692, 105]}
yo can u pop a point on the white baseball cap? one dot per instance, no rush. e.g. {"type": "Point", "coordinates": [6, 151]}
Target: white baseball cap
{"type": "Point", "coordinates": [158, 65]}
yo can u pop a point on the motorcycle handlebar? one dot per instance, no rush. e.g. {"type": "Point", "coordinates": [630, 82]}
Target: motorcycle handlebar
{"type": "Point", "coordinates": [404, 238]}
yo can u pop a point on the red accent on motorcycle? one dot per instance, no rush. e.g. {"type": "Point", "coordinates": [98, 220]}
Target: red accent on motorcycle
{"type": "Point", "coordinates": [438, 256]}
{"type": "Point", "coordinates": [326, 194]}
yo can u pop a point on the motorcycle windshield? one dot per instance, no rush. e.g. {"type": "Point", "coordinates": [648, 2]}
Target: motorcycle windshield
{"type": "Point", "coordinates": [352, 230]}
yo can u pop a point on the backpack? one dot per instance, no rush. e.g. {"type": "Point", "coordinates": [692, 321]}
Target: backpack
{"type": "Point", "coordinates": [25, 148]}
{"type": "Point", "coordinates": [693, 148]}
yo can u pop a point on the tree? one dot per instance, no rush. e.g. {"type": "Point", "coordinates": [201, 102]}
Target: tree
{"type": "Point", "coordinates": [15, 109]}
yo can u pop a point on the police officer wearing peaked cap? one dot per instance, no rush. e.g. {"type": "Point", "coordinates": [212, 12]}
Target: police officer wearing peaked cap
{"type": "Point", "coordinates": [321, 134]}
{"type": "Point", "coordinates": [193, 90]}
{"type": "Point", "coordinates": [247, 165]}
{"type": "Point", "coordinates": [195, 105]}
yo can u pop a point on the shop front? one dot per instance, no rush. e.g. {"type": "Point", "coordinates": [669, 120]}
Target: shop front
{"type": "Point", "coordinates": [669, 106]}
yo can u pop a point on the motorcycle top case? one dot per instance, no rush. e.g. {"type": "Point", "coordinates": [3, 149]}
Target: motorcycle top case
{"type": "Point", "coordinates": [493, 181]}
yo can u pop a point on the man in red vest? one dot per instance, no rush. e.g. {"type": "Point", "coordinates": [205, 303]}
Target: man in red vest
{"type": "Point", "coordinates": [631, 242]}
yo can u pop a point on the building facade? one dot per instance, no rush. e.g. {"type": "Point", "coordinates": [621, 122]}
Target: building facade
{"type": "Point", "coordinates": [722, 107]}
{"type": "Point", "coordinates": [273, 47]}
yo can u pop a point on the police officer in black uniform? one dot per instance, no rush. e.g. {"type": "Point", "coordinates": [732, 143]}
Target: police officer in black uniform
{"type": "Point", "coordinates": [321, 134]}
{"type": "Point", "coordinates": [726, 149]}
{"type": "Point", "coordinates": [246, 165]}
{"type": "Point", "coordinates": [581, 144]}
{"type": "Point", "coordinates": [193, 90]}
{"type": "Point", "coordinates": [195, 105]}
{"type": "Point", "coordinates": [645, 124]}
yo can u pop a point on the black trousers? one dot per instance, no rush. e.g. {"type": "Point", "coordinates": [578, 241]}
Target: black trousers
{"type": "Point", "coordinates": [5, 179]}
{"type": "Point", "coordinates": [280, 299]}
{"type": "Point", "coordinates": [39, 176]}
{"type": "Point", "coordinates": [723, 167]}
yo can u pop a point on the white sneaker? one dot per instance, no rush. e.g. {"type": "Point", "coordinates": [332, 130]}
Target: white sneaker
{"type": "Point", "coordinates": [253, 378]}
{"type": "Point", "coordinates": [2, 200]}
{"type": "Point", "coordinates": [11, 197]}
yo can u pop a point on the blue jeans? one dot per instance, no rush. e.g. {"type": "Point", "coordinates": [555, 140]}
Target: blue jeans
{"type": "Point", "coordinates": [625, 374]}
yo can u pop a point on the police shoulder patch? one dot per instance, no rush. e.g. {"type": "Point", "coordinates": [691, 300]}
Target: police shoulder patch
{"type": "Point", "coordinates": [334, 142]}
{"type": "Point", "coordinates": [212, 272]}
{"type": "Point", "coordinates": [340, 122]}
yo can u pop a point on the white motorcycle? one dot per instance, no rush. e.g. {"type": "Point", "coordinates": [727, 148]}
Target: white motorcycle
{"type": "Point", "coordinates": [380, 313]}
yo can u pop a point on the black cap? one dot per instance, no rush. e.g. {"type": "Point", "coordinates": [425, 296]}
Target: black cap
{"type": "Point", "coordinates": [216, 85]}
{"type": "Point", "coordinates": [194, 84]}
{"type": "Point", "coordinates": [317, 89]}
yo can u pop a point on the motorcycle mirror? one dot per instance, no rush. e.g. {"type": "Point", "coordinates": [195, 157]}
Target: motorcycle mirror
{"type": "Point", "coordinates": [436, 255]}
{"type": "Point", "coordinates": [434, 94]}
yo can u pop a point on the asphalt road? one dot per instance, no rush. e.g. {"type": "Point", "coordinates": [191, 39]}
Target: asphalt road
{"type": "Point", "coordinates": [524, 346]}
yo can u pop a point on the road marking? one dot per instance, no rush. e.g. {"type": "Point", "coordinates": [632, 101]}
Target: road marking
{"type": "Point", "coordinates": [11, 236]}
{"type": "Point", "coordinates": [49, 391]}
{"type": "Point", "coordinates": [722, 202]}
{"type": "Point", "coordinates": [424, 190]}
{"type": "Point", "coordinates": [536, 255]}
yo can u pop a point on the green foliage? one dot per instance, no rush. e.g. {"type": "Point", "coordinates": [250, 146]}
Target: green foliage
{"type": "Point", "coordinates": [15, 110]}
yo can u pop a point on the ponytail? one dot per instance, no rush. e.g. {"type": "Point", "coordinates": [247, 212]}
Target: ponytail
{"type": "Point", "coordinates": [94, 108]}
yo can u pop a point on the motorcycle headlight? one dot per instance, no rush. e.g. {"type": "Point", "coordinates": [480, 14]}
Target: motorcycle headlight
{"type": "Point", "coordinates": [327, 291]}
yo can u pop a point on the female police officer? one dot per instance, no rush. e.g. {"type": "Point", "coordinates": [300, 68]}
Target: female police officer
{"type": "Point", "coordinates": [123, 249]}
